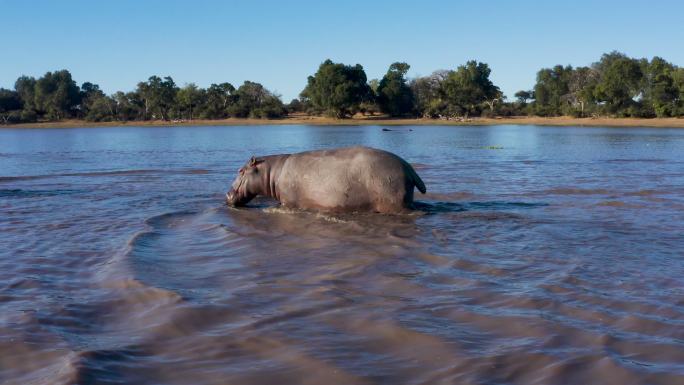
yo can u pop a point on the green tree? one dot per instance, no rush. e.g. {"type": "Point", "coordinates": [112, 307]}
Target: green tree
{"type": "Point", "coordinates": [25, 86]}
{"type": "Point", "coordinates": [255, 101]}
{"type": "Point", "coordinates": [188, 99]}
{"type": "Point", "coordinates": [158, 96]}
{"type": "Point", "coordinates": [337, 89]}
{"type": "Point", "coordinates": [581, 86]}
{"type": "Point", "coordinates": [89, 89]}
{"type": "Point", "coordinates": [661, 90]}
{"type": "Point", "coordinates": [128, 106]}
{"type": "Point", "coordinates": [428, 93]}
{"type": "Point", "coordinates": [620, 83]}
{"type": "Point", "coordinates": [219, 97]}
{"type": "Point", "coordinates": [95, 106]}
{"type": "Point", "coordinates": [395, 97]}
{"type": "Point", "coordinates": [10, 106]}
{"type": "Point", "coordinates": [295, 106]}
{"type": "Point", "coordinates": [678, 79]}
{"type": "Point", "coordinates": [550, 90]}
{"type": "Point", "coordinates": [57, 95]}
{"type": "Point", "coordinates": [101, 108]}
{"type": "Point", "coordinates": [374, 84]}
{"type": "Point", "coordinates": [468, 87]}
{"type": "Point", "coordinates": [523, 96]}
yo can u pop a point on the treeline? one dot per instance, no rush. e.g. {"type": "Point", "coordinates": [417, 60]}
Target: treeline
{"type": "Point", "coordinates": [339, 91]}
{"type": "Point", "coordinates": [56, 96]}
{"type": "Point", "coordinates": [616, 86]}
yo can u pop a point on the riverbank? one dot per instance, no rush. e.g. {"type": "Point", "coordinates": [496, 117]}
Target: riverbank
{"type": "Point", "coordinates": [380, 121]}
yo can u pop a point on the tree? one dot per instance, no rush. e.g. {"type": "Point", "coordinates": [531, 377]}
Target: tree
{"type": "Point", "coordinates": [219, 97]}
{"type": "Point", "coordinates": [158, 96]}
{"type": "Point", "coordinates": [581, 86]}
{"type": "Point", "coordinates": [428, 93]}
{"type": "Point", "coordinates": [25, 87]}
{"type": "Point", "coordinates": [395, 97]}
{"type": "Point", "coordinates": [374, 84]}
{"type": "Point", "coordinates": [10, 106]}
{"type": "Point", "coordinates": [255, 101]}
{"type": "Point", "coordinates": [187, 100]}
{"type": "Point", "coordinates": [550, 90]}
{"type": "Point", "coordinates": [523, 96]}
{"type": "Point", "coordinates": [57, 95]}
{"type": "Point", "coordinates": [89, 89]}
{"type": "Point", "coordinates": [101, 108]}
{"type": "Point", "coordinates": [337, 89]}
{"type": "Point", "coordinates": [661, 91]}
{"type": "Point", "coordinates": [619, 84]}
{"type": "Point", "coordinates": [369, 106]}
{"type": "Point", "coordinates": [128, 106]}
{"type": "Point", "coordinates": [468, 87]}
{"type": "Point", "coordinates": [90, 94]}
{"type": "Point", "coordinates": [678, 79]}
{"type": "Point", "coordinates": [295, 106]}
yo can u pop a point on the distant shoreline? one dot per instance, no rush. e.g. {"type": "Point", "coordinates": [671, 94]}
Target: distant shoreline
{"type": "Point", "coordinates": [372, 121]}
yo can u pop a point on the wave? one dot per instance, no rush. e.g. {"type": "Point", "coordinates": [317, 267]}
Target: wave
{"type": "Point", "coordinates": [21, 193]}
{"type": "Point", "coordinates": [632, 160]}
{"type": "Point", "coordinates": [193, 171]}
{"type": "Point", "coordinates": [575, 191]}
{"type": "Point", "coordinates": [446, 207]}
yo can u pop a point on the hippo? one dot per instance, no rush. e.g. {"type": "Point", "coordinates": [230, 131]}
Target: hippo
{"type": "Point", "coordinates": [351, 179]}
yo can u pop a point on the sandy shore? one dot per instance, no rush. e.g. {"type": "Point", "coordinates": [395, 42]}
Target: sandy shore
{"type": "Point", "coordinates": [316, 120]}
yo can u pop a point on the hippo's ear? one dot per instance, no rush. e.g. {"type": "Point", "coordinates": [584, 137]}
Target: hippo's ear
{"type": "Point", "coordinates": [254, 161]}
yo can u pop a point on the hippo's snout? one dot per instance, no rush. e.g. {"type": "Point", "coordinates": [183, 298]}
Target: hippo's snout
{"type": "Point", "coordinates": [230, 198]}
{"type": "Point", "coordinates": [233, 199]}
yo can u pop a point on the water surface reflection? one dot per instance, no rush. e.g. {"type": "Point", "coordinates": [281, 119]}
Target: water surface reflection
{"type": "Point", "coordinates": [539, 255]}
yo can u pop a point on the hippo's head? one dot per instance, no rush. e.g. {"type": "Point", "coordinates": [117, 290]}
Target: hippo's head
{"type": "Point", "coordinates": [247, 185]}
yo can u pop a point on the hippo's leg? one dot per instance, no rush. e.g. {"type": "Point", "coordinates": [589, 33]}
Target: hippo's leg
{"type": "Point", "coordinates": [397, 205]}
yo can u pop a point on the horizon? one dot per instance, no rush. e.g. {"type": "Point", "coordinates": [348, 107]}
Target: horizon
{"type": "Point", "coordinates": [116, 46]}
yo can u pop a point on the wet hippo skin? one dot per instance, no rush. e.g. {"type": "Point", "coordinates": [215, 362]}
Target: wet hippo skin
{"type": "Point", "coordinates": [340, 180]}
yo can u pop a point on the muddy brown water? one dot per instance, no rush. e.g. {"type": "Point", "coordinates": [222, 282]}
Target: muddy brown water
{"type": "Point", "coordinates": [540, 255]}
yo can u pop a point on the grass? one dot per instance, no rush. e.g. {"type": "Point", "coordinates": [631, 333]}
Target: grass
{"type": "Point", "coordinates": [375, 121]}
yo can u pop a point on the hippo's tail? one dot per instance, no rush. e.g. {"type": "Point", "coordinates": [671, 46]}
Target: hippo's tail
{"type": "Point", "coordinates": [415, 178]}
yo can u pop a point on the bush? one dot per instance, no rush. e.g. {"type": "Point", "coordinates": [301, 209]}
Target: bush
{"type": "Point", "coordinates": [28, 116]}
{"type": "Point", "coordinates": [487, 113]}
{"type": "Point", "coordinates": [267, 112]}
{"type": "Point", "coordinates": [638, 110]}
{"type": "Point", "coordinates": [510, 109]}
{"type": "Point", "coordinates": [10, 117]}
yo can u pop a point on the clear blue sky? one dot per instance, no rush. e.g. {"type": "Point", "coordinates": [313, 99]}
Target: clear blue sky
{"type": "Point", "coordinates": [279, 43]}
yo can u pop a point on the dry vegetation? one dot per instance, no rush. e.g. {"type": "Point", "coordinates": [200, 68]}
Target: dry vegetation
{"type": "Point", "coordinates": [380, 121]}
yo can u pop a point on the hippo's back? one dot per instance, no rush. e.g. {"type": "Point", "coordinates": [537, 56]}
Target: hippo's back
{"type": "Point", "coordinates": [347, 179]}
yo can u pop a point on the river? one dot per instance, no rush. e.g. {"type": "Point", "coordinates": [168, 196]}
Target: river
{"type": "Point", "coordinates": [539, 255]}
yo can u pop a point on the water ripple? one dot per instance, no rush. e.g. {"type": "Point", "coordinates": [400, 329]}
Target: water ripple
{"type": "Point", "coordinates": [539, 256]}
